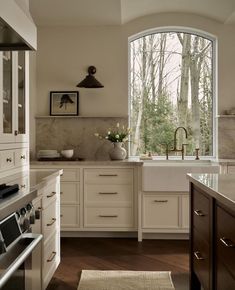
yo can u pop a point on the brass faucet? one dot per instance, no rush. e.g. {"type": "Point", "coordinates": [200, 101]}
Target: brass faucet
{"type": "Point", "coordinates": [174, 149]}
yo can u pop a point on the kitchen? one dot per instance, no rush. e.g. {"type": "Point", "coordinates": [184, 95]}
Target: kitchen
{"type": "Point", "coordinates": [86, 211]}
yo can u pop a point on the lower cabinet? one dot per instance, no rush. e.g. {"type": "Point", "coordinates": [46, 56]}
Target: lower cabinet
{"type": "Point", "coordinates": [161, 212]}
{"type": "Point", "coordinates": [49, 211]}
{"type": "Point", "coordinates": [212, 243]}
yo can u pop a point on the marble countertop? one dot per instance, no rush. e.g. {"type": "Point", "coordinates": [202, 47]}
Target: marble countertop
{"type": "Point", "coordinates": [125, 162]}
{"type": "Point", "coordinates": [36, 178]}
{"type": "Point", "coordinates": [219, 186]}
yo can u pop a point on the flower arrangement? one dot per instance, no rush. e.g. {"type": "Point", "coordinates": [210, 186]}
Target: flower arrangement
{"type": "Point", "coordinates": [116, 135]}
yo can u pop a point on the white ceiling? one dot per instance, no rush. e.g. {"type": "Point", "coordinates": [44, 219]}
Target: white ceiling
{"type": "Point", "coordinates": [117, 12]}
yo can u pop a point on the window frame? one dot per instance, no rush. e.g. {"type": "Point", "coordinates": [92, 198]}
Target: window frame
{"type": "Point", "coordinates": [201, 33]}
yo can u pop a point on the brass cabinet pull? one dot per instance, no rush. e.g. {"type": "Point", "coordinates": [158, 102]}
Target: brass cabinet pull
{"type": "Point", "coordinates": [227, 242]}
{"type": "Point", "coordinates": [108, 175]}
{"type": "Point", "coordinates": [161, 200]}
{"type": "Point", "coordinates": [16, 132]}
{"type": "Point", "coordinates": [22, 157]}
{"type": "Point", "coordinates": [198, 256]}
{"type": "Point", "coordinates": [199, 213]}
{"type": "Point", "coordinates": [9, 159]}
{"type": "Point", "coordinates": [53, 254]}
{"type": "Point", "coordinates": [52, 222]}
{"type": "Point", "coordinates": [108, 192]}
{"type": "Point", "coordinates": [23, 186]}
{"type": "Point", "coordinates": [108, 216]}
{"type": "Point", "coordinates": [52, 194]}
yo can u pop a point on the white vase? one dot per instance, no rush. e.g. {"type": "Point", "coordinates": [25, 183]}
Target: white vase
{"type": "Point", "coordinates": [117, 152]}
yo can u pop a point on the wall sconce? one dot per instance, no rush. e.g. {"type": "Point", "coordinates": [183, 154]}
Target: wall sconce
{"type": "Point", "coordinates": [90, 81]}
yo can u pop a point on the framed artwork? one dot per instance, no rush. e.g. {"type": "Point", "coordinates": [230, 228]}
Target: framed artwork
{"type": "Point", "coordinates": [64, 103]}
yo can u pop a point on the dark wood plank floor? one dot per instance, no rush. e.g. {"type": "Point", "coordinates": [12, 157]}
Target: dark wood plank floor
{"type": "Point", "coordinates": [120, 254]}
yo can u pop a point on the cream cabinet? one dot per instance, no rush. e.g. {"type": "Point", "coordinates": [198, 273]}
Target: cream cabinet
{"type": "Point", "coordinates": [50, 213]}
{"type": "Point", "coordinates": [14, 91]}
{"type": "Point", "coordinates": [108, 199]}
{"type": "Point", "coordinates": [164, 213]}
{"type": "Point", "coordinates": [70, 200]}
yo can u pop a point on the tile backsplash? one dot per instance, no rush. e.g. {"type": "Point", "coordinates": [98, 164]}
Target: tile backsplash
{"type": "Point", "coordinates": [77, 134]}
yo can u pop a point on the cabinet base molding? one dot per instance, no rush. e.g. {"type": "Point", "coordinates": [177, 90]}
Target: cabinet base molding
{"type": "Point", "coordinates": [151, 236]}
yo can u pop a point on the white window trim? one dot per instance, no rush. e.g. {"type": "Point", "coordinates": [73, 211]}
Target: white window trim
{"type": "Point", "coordinates": [198, 32]}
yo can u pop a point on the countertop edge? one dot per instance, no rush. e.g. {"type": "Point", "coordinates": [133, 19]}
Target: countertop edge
{"type": "Point", "coordinates": [215, 194]}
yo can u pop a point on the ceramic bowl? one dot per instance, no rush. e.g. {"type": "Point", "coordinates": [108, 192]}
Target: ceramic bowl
{"type": "Point", "coordinates": [67, 153]}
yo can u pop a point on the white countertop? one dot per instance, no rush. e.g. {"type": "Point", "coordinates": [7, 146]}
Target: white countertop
{"type": "Point", "coordinates": [219, 186]}
{"type": "Point", "coordinates": [37, 179]}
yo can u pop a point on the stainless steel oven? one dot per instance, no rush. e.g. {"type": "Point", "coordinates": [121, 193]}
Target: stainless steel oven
{"type": "Point", "coordinates": [20, 256]}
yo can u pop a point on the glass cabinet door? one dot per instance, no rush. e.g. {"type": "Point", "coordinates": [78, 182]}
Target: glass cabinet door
{"type": "Point", "coordinates": [7, 93]}
{"type": "Point", "coordinates": [21, 93]}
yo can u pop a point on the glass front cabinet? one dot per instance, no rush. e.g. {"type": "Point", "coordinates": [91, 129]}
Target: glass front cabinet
{"type": "Point", "coordinates": [13, 97]}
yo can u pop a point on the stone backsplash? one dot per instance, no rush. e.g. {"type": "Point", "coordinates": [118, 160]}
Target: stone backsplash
{"type": "Point", "coordinates": [226, 137]}
{"type": "Point", "coordinates": [78, 134]}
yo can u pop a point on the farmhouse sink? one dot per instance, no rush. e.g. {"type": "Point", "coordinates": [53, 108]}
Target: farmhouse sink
{"type": "Point", "coordinates": [170, 175]}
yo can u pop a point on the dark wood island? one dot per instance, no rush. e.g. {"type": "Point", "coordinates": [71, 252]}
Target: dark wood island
{"type": "Point", "coordinates": [212, 231]}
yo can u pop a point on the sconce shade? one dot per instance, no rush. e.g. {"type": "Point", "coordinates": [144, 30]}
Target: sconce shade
{"type": "Point", "coordinates": [90, 81]}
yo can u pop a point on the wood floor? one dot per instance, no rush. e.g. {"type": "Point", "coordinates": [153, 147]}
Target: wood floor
{"type": "Point", "coordinates": [120, 254]}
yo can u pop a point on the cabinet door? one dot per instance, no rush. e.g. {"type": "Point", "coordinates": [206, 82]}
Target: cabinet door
{"type": "Point", "coordinates": [22, 97]}
{"type": "Point", "coordinates": [7, 96]}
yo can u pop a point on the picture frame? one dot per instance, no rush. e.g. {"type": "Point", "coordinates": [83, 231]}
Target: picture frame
{"type": "Point", "coordinates": [64, 103]}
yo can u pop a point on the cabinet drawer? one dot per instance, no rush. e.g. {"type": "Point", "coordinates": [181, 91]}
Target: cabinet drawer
{"type": "Point", "coordinates": [160, 211]}
{"type": "Point", "coordinates": [201, 260]}
{"type": "Point", "coordinates": [21, 157]}
{"type": "Point", "coordinates": [70, 175]}
{"type": "Point", "coordinates": [108, 217]}
{"type": "Point", "coordinates": [185, 211]}
{"type": "Point", "coordinates": [51, 258]}
{"type": "Point", "coordinates": [49, 221]}
{"type": "Point", "coordinates": [225, 239]}
{"type": "Point", "coordinates": [108, 176]}
{"type": "Point", "coordinates": [69, 192]}
{"type": "Point", "coordinates": [108, 193]}
{"type": "Point", "coordinates": [201, 214]}
{"type": "Point", "coordinates": [49, 194]}
{"type": "Point", "coordinates": [7, 159]}
{"type": "Point", "coordinates": [69, 216]}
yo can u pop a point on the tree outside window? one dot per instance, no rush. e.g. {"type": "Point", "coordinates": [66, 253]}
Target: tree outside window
{"type": "Point", "coordinates": [171, 85]}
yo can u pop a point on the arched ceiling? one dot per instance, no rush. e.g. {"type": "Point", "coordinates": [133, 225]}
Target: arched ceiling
{"type": "Point", "coordinates": [117, 12]}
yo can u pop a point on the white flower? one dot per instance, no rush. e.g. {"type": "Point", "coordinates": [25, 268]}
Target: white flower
{"type": "Point", "coordinates": [109, 132]}
{"type": "Point", "coordinates": [117, 136]}
{"type": "Point", "coordinates": [106, 137]}
{"type": "Point", "coordinates": [117, 125]}
{"type": "Point", "coordinates": [97, 134]}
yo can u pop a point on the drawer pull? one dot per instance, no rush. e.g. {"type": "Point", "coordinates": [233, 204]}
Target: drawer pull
{"type": "Point", "coordinates": [52, 257]}
{"type": "Point", "coordinates": [23, 186]}
{"type": "Point", "coordinates": [9, 159]}
{"type": "Point", "coordinates": [108, 175]}
{"type": "Point", "coordinates": [61, 192]}
{"type": "Point", "coordinates": [199, 213]}
{"type": "Point", "coordinates": [108, 216]}
{"type": "Point", "coordinates": [227, 242]}
{"type": "Point", "coordinates": [22, 157]}
{"type": "Point", "coordinates": [52, 222]}
{"type": "Point", "coordinates": [198, 256]}
{"type": "Point", "coordinates": [160, 200]}
{"type": "Point", "coordinates": [52, 194]}
{"type": "Point", "coordinates": [61, 215]}
{"type": "Point", "coordinates": [108, 192]}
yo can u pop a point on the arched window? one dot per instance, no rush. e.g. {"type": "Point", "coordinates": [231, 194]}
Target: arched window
{"type": "Point", "coordinates": [172, 84]}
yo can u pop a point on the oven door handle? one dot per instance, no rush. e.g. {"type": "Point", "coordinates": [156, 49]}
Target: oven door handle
{"type": "Point", "coordinates": [7, 273]}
